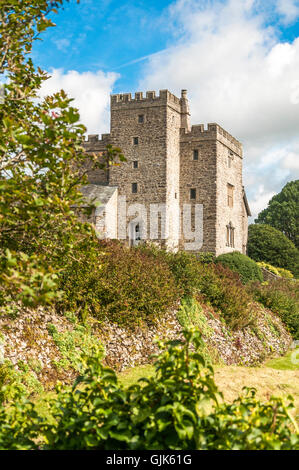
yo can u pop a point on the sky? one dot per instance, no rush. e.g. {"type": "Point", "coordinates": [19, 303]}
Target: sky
{"type": "Point", "coordinates": [238, 59]}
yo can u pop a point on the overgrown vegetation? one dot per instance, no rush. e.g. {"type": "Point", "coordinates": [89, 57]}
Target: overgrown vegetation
{"type": "Point", "coordinates": [277, 271]}
{"type": "Point", "coordinates": [214, 284]}
{"type": "Point", "coordinates": [122, 285]}
{"type": "Point", "coordinates": [179, 407]}
{"type": "Point", "coordinates": [74, 344]}
{"type": "Point", "coordinates": [268, 244]}
{"type": "Point", "coordinates": [22, 379]}
{"type": "Point", "coordinates": [282, 297]}
{"type": "Point", "coordinates": [243, 265]}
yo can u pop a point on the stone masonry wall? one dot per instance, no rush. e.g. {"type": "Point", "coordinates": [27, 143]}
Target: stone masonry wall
{"type": "Point", "coordinates": [201, 175]}
{"type": "Point", "coordinates": [151, 151]}
{"type": "Point", "coordinates": [229, 175]}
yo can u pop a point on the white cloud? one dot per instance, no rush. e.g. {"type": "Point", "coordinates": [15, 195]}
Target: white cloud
{"type": "Point", "coordinates": [91, 93]}
{"type": "Point", "coordinates": [62, 44]}
{"type": "Point", "coordinates": [289, 9]}
{"type": "Point", "coordinates": [260, 200]}
{"type": "Point", "coordinates": [240, 75]}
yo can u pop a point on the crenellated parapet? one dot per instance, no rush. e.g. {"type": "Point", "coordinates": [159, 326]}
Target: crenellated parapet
{"type": "Point", "coordinates": [213, 132]}
{"type": "Point", "coordinates": [92, 138]}
{"type": "Point", "coordinates": [140, 100]}
{"type": "Point", "coordinates": [94, 143]}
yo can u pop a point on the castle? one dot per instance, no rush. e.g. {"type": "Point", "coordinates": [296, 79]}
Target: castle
{"type": "Point", "coordinates": [181, 186]}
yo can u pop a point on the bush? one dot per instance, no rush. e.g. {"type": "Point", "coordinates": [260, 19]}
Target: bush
{"type": "Point", "coordinates": [125, 286]}
{"type": "Point", "coordinates": [217, 285]}
{"type": "Point", "coordinates": [282, 297]}
{"type": "Point", "coordinates": [223, 289]}
{"type": "Point", "coordinates": [277, 271]}
{"type": "Point", "coordinates": [179, 408]}
{"type": "Point", "coordinates": [243, 265]}
{"type": "Point", "coordinates": [268, 244]}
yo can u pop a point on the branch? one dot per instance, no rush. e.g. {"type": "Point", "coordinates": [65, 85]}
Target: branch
{"type": "Point", "coordinates": [13, 160]}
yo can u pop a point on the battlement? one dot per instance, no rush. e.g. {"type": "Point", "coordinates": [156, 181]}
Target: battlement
{"type": "Point", "coordinates": [94, 138]}
{"type": "Point", "coordinates": [150, 97]}
{"type": "Point", "coordinates": [214, 131]}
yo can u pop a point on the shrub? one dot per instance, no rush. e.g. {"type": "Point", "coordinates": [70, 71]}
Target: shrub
{"type": "Point", "coordinates": [126, 286]}
{"type": "Point", "coordinates": [277, 271]}
{"type": "Point", "coordinates": [184, 266]}
{"type": "Point", "coordinates": [282, 297]}
{"type": "Point", "coordinates": [179, 407]}
{"type": "Point", "coordinates": [243, 265]}
{"type": "Point", "coordinates": [223, 289]}
{"type": "Point", "coordinates": [217, 285]}
{"type": "Point", "coordinates": [268, 244]}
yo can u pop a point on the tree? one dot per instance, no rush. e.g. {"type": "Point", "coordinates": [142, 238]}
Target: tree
{"type": "Point", "coordinates": [266, 243]}
{"type": "Point", "coordinates": [283, 212]}
{"type": "Point", "coordinates": [41, 163]}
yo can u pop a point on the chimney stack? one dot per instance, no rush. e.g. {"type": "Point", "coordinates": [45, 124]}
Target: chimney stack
{"type": "Point", "coordinates": [185, 112]}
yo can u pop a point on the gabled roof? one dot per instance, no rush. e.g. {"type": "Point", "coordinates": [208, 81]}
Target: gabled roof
{"type": "Point", "coordinates": [97, 195]}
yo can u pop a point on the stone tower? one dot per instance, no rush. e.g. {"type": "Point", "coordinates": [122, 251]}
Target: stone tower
{"type": "Point", "coordinates": [172, 168]}
{"type": "Point", "coordinates": [148, 131]}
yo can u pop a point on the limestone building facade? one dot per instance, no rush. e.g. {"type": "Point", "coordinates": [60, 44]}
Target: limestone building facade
{"type": "Point", "coordinates": [181, 186]}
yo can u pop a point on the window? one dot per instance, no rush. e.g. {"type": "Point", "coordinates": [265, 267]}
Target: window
{"type": "Point", "coordinates": [193, 193]}
{"type": "Point", "coordinates": [230, 235]}
{"type": "Point", "coordinates": [230, 159]}
{"type": "Point", "coordinates": [141, 118]}
{"type": "Point", "coordinates": [135, 140]}
{"type": "Point", "coordinates": [230, 195]}
{"type": "Point", "coordinates": [135, 164]}
{"type": "Point", "coordinates": [195, 154]}
{"type": "Point", "coordinates": [134, 188]}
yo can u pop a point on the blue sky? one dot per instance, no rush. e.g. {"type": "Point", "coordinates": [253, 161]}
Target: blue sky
{"type": "Point", "coordinates": [106, 35]}
{"type": "Point", "coordinates": [239, 60]}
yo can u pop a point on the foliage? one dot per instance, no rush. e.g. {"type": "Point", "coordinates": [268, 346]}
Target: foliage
{"type": "Point", "coordinates": [223, 289]}
{"type": "Point", "coordinates": [23, 279]}
{"type": "Point", "coordinates": [243, 265]}
{"type": "Point", "coordinates": [74, 344]}
{"type": "Point", "coordinates": [282, 297]}
{"type": "Point", "coordinates": [186, 269]}
{"type": "Point", "coordinates": [179, 407]}
{"type": "Point", "coordinates": [217, 285]}
{"type": "Point", "coordinates": [283, 212]}
{"type": "Point", "coordinates": [124, 285]}
{"type": "Point", "coordinates": [277, 271]}
{"type": "Point", "coordinates": [41, 164]}
{"type": "Point", "coordinates": [21, 379]}
{"type": "Point", "coordinates": [191, 314]}
{"type": "Point", "coordinates": [205, 257]}
{"type": "Point", "coordinates": [268, 244]}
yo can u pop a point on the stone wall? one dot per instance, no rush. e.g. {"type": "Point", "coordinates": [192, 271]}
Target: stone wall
{"type": "Point", "coordinates": [201, 175]}
{"type": "Point", "coordinates": [26, 338]}
{"type": "Point", "coordinates": [229, 175]}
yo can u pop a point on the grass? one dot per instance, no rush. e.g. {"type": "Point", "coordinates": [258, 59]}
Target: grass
{"type": "Point", "coordinates": [286, 362]}
{"type": "Point", "coordinates": [278, 377]}
{"type": "Point", "coordinates": [132, 375]}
